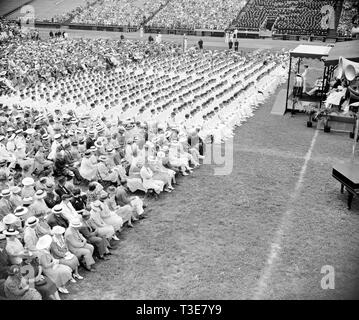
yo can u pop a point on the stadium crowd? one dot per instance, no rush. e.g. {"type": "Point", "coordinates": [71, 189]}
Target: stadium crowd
{"type": "Point", "coordinates": [67, 16]}
{"type": "Point", "coordinates": [292, 17]}
{"type": "Point", "coordinates": [349, 11]}
{"type": "Point", "coordinates": [200, 14]}
{"type": "Point", "coordinates": [118, 12]}
{"type": "Point", "coordinates": [87, 123]}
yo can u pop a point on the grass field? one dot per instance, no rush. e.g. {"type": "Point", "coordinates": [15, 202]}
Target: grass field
{"type": "Point", "coordinates": [212, 237]}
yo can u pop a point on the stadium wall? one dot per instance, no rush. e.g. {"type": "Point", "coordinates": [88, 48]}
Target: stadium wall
{"type": "Point", "coordinates": [199, 33]}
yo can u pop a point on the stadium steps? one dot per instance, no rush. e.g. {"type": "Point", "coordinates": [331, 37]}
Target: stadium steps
{"type": "Point", "coordinates": [338, 12]}
{"type": "Point", "coordinates": [239, 13]}
{"type": "Point", "coordinates": [154, 13]}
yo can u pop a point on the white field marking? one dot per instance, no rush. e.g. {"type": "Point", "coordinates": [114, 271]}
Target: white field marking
{"type": "Point", "coordinates": [289, 155]}
{"type": "Point", "coordinates": [276, 244]}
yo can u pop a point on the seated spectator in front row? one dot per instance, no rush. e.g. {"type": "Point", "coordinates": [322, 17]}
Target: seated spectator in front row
{"type": "Point", "coordinates": [109, 217]}
{"type": "Point", "coordinates": [60, 251]}
{"type": "Point", "coordinates": [78, 245]}
{"type": "Point", "coordinates": [43, 284]}
{"type": "Point", "coordinates": [59, 273]}
{"type": "Point", "coordinates": [95, 235]}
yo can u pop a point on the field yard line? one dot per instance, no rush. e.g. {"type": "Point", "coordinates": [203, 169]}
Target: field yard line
{"type": "Point", "coordinates": [276, 244]}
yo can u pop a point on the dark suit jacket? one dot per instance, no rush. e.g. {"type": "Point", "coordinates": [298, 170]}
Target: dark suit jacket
{"type": "Point", "coordinates": [4, 264]}
{"type": "Point", "coordinates": [61, 190]}
{"type": "Point", "coordinates": [51, 200]}
{"type": "Point", "coordinates": [78, 203]}
{"type": "Point", "coordinates": [86, 232]}
{"type": "Point", "coordinates": [89, 143]}
{"type": "Point", "coordinates": [54, 220]}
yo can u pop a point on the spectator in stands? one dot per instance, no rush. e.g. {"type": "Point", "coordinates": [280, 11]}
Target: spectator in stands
{"type": "Point", "coordinates": [52, 268]}
{"type": "Point", "coordinates": [78, 245]}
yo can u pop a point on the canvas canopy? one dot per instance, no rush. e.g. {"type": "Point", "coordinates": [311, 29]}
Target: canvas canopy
{"type": "Point", "coordinates": [346, 49]}
{"type": "Point", "coordinates": [308, 51]}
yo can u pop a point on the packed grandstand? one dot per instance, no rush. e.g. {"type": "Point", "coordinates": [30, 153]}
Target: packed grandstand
{"type": "Point", "coordinates": [300, 17]}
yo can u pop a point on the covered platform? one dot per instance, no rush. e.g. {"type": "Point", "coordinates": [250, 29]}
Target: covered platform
{"type": "Point", "coordinates": [301, 52]}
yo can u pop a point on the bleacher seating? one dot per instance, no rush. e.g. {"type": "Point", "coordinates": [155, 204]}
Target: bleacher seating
{"type": "Point", "coordinates": [197, 14]}
{"type": "Point", "coordinates": [293, 17]}
{"type": "Point", "coordinates": [118, 12]}
{"type": "Point", "coordinates": [350, 9]}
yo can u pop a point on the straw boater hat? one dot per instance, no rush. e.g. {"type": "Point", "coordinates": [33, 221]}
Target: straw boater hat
{"type": "Point", "coordinates": [49, 185]}
{"type": "Point", "coordinates": [30, 131]}
{"type": "Point", "coordinates": [58, 230]}
{"type": "Point", "coordinates": [31, 221]}
{"type": "Point", "coordinates": [98, 144]}
{"type": "Point", "coordinates": [28, 181]}
{"type": "Point", "coordinates": [20, 211]}
{"type": "Point", "coordinates": [111, 189]}
{"type": "Point", "coordinates": [27, 200]}
{"type": "Point", "coordinates": [10, 219]}
{"type": "Point", "coordinates": [44, 242]}
{"type": "Point", "coordinates": [57, 209]}
{"type": "Point", "coordinates": [6, 193]}
{"type": "Point", "coordinates": [40, 194]}
{"type": "Point", "coordinates": [11, 232]}
{"type": "Point", "coordinates": [15, 190]}
{"type": "Point", "coordinates": [103, 195]}
{"type": "Point", "coordinates": [161, 154]}
{"type": "Point", "coordinates": [102, 158]}
{"type": "Point", "coordinates": [86, 213]}
{"type": "Point", "coordinates": [13, 270]}
{"type": "Point", "coordinates": [75, 223]}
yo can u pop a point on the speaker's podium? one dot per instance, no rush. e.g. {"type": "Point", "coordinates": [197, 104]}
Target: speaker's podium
{"type": "Point", "coordinates": [348, 176]}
